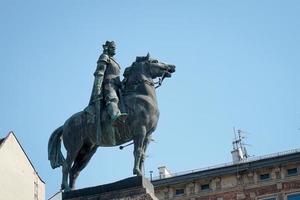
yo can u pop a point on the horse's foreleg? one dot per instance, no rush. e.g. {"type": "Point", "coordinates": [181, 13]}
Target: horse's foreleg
{"type": "Point", "coordinates": [143, 156]}
{"type": "Point", "coordinates": [138, 140]}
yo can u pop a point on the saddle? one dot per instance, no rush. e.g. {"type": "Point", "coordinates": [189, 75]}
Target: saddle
{"type": "Point", "coordinates": [110, 135]}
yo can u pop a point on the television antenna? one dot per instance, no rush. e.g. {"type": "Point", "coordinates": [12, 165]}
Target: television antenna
{"type": "Point", "coordinates": [239, 151]}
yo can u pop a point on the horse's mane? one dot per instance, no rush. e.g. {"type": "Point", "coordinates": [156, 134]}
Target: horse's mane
{"type": "Point", "coordinates": [138, 60]}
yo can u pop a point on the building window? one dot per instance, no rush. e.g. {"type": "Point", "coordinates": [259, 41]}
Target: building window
{"type": "Point", "coordinates": [263, 177]}
{"type": "Point", "coordinates": [218, 185]}
{"type": "Point", "coordinates": [205, 187]}
{"type": "Point", "coordinates": [293, 196]}
{"type": "Point", "coordinates": [166, 195]}
{"type": "Point", "coordinates": [292, 171]}
{"type": "Point", "coordinates": [270, 198]}
{"type": "Point", "coordinates": [192, 189]}
{"type": "Point", "coordinates": [36, 191]}
{"type": "Point", "coordinates": [179, 191]}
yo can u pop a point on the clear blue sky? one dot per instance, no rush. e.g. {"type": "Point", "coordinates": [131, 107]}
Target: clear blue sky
{"type": "Point", "coordinates": [237, 65]}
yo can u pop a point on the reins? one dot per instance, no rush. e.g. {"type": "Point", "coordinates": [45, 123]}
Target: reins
{"type": "Point", "coordinates": [160, 80]}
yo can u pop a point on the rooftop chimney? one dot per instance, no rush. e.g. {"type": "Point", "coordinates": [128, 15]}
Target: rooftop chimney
{"type": "Point", "coordinates": [164, 172]}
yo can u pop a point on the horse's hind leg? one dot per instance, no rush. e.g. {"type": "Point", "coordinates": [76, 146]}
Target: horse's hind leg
{"type": "Point", "coordinates": [65, 172]}
{"type": "Point", "coordinates": [138, 140]}
{"type": "Point", "coordinates": [84, 156]}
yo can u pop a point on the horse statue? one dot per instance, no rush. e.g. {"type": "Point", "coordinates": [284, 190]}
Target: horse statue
{"type": "Point", "coordinates": [138, 99]}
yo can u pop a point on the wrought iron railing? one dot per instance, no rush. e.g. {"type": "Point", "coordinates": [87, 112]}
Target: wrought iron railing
{"type": "Point", "coordinates": [250, 159]}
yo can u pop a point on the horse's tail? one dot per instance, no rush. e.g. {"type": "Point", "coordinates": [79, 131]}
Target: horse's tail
{"type": "Point", "coordinates": [54, 152]}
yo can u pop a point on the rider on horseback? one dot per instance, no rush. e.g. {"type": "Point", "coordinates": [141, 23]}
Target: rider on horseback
{"type": "Point", "coordinates": [79, 133]}
{"type": "Point", "coordinates": [106, 88]}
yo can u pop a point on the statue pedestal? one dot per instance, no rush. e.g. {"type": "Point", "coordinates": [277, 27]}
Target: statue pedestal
{"type": "Point", "coordinates": [134, 188]}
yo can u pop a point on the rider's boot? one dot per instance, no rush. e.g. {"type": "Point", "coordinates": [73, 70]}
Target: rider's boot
{"type": "Point", "coordinates": [117, 117]}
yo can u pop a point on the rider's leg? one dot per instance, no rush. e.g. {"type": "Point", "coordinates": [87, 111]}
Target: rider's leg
{"type": "Point", "coordinates": [112, 108]}
{"type": "Point", "coordinates": [112, 101]}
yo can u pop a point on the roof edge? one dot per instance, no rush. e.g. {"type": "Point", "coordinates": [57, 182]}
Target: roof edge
{"type": "Point", "coordinates": [295, 154]}
{"type": "Point", "coordinates": [3, 140]}
{"type": "Point", "coordinates": [13, 134]}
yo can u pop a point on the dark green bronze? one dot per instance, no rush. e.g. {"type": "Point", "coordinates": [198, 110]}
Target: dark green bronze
{"type": "Point", "coordinates": [106, 89]}
{"type": "Point", "coordinates": [82, 135]}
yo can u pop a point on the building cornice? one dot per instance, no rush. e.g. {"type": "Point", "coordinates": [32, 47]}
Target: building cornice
{"type": "Point", "coordinates": [251, 165]}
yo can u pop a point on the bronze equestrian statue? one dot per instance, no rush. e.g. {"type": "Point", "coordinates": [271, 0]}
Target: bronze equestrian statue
{"type": "Point", "coordinates": [82, 135]}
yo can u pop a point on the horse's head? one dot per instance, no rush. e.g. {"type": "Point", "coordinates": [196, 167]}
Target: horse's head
{"type": "Point", "coordinates": [158, 68]}
{"type": "Point", "coordinates": [147, 69]}
{"type": "Point", "coordinates": [153, 67]}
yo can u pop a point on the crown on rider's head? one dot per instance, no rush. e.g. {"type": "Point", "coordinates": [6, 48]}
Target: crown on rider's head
{"type": "Point", "coordinates": [109, 44]}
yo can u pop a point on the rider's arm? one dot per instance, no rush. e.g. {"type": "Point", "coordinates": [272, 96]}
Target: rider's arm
{"type": "Point", "coordinates": [102, 63]}
{"type": "Point", "coordinates": [99, 74]}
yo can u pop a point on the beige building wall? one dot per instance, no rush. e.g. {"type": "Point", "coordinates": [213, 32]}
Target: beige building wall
{"type": "Point", "coordinates": [18, 179]}
{"type": "Point", "coordinates": [270, 178]}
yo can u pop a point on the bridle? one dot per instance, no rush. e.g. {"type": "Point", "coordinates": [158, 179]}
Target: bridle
{"type": "Point", "coordinates": [150, 83]}
{"type": "Point", "coordinates": [160, 80]}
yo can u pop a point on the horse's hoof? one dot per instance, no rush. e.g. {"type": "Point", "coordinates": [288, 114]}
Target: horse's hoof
{"type": "Point", "coordinates": [65, 189]}
{"type": "Point", "coordinates": [137, 172]}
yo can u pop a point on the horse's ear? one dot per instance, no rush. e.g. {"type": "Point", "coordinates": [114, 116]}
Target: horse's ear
{"type": "Point", "coordinates": [148, 56]}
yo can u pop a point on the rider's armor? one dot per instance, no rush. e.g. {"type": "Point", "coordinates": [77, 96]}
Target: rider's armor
{"type": "Point", "coordinates": [106, 86]}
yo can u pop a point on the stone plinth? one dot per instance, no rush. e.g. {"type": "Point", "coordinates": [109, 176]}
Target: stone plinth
{"type": "Point", "coordinates": [134, 188]}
